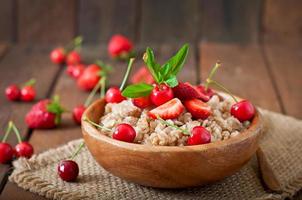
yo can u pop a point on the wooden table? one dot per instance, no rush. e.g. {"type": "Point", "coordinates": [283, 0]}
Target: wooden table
{"type": "Point", "coordinates": [268, 74]}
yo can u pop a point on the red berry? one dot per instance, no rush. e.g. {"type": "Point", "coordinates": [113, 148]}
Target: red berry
{"type": "Point", "coordinates": [185, 91]}
{"type": "Point", "coordinates": [6, 152]}
{"type": "Point", "coordinates": [200, 135]}
{"type": "Point", "coordinates": [142, 75]}
{"type": "Point", "coordinates": [114, 95]}
{"type": "Point", "coordinates": [77, 113]}
{"type": "Point", "coordinates": [73, 58]}
{"type": "Point", "coordinates": [161, 94]}
{"type": "Point", "coordinates": [24, 149]}
{"type": "Point", "coordinates": [68, 170]}
{"type": "Point", "coordinates": [75, 71]}
{"type": "Point", "coordinates": [124, 132]}
{"type": "Point", "coordinates": [198, 108]}
{"type": "Point", "coordinates": [57, 56]}
{"type": "Point", "coordinates": [243, 110]}
{"type": "Point", "coordinates": [28, 93]}
{"type": "Point", "coordinates": [206, 93]}
{"type": "Point", "coordinates": [13, 92]}
{"type": "Point", "coordinates": [119, 46]}
{"type": "Point", "coordinates": [169, 110]}
{"type": "Point", "coordinates": [90, 77]}
{"type": "Point", "coordinates": [142, 102]}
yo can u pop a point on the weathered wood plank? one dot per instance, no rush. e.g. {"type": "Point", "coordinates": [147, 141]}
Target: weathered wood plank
{"type": "Point", "coordinates": [170, 21]}
{"type": "Point", "coordinates": [46, 21]}
{"type": "Point", "coordinates": [244, 72]}
{"type": "Point", "coordinates": [19, 65]}
{"type": "Point", "coordinates": [235, 20]}
{"type": "Point", "coordinates": [98, 20]}
{"type": "Point", "coordinates": [285, 64]}
{"type": "Point", "coordinates": [6, 21]}
{"type": "Point", "coordinates": [12, 191]}
{"type": "Point", "coordinates": [282, 20]}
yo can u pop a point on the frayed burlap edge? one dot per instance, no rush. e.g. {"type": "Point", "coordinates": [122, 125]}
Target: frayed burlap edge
{"type": "Point", "coordinates": [25, 179]}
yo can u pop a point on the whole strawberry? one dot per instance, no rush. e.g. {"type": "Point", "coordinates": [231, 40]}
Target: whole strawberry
{"type": "Point", "coordinates": [90, 77]}
{"type": "Point", "coordinates": [120, 47]}
{"type": "Point", "coordinates": [45, 114]}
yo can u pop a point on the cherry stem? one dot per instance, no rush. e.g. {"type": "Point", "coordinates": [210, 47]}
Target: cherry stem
{"type": "Point", "coordinates": [185, 131]}
{"type": "Point", "coordinates": [95, 124]}
{"type": "Point", "coordinates": [74, 44]}
{"type": "Point", "coordinates": [222, 87]}
{"type": "Point", "coordinates": [103, 85]}
{"type": "Point", "coordinates": [16, 132]}
{"type": "Point", "coordinates": [30, 82]}
{"type": "Point", "coordinates": [8, 130]}
{"type": "Point", "coordinates": [127, 73]}
{"type": "Point", "coordinates": [92, 93]}
{"type": "Point", "coordinates": [212, 73]}
{"type": "Point", "coordinates": [77, 151]}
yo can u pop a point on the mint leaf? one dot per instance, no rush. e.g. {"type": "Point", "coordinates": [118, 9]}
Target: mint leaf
{"type": "Point", "coordinates": [165, 70]}
{"type": "Point", "coordinates": [137, 90]}
{"type": "Point", "coordinates": [178, 60]}
{"type": "Point", "coordinates": [172, 81]}
{"type": "Point", "coordinates": [152, 66]}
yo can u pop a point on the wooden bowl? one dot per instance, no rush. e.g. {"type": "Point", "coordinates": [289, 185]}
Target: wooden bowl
{"type": "Point", "coordinates": [166, 166]}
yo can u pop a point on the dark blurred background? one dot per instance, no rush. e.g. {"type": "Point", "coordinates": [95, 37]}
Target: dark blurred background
{"type": "Point", "coordinates": [150, 21]}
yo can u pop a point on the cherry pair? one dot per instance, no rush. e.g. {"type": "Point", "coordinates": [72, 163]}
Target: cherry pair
{"type": "Point", "coordinates": [22, 149]}
{"type": "Point", "coordinates": [26, 93]}
{"type": "Point", "coordinates": [69, 55]}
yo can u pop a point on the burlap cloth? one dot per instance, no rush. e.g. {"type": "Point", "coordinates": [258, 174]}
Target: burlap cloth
{"type": "Point", "coordinates": [280, 157]}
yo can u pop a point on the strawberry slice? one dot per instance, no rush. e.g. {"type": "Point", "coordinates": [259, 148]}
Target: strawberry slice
{"type": "Point", "coordinates": [185, 91]}
{"type": "Point", "coordinates": [169, 110]}
{"type": "Point", "coordinates": [208, 93]}
{"type": "Point", "coordinates": [198, 108]}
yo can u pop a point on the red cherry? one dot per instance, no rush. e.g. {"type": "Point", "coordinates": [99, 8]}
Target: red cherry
{"type": "Point", "coordinates": [24, 149]}
{"type": "Point", "coordinates": [161, 94]}
{"type": "Point", "coordinates": [119, 45]}
{"type": "Point", "coordinates": [13, 92]}
{"type": "Point", "coordinates": [6, 152]}
{"type": "Point", "coordinates": [208, 93]}
{"type": "Point", "coordinates": [200, 135]}
{"type": "Point", "coordinates": [75, 71]}
{"type": "Point", "coordinates": [142, 102]}
{"type": "Point", "coordinates": [77, 113]}
{"type": "Point", "coordinates": [243, 110]}
{"type": "Point", "coordinates": [114, 95]}
{"type": "Point", "coordinates": [57, 56]}
{"type": "Point", "coordinates": [68, 170]}
{"type": "Point", "coordinates": [28, 93]}
{"type": "Point", "coordinates": [124, 132]}
{"type": "Point", "coordinates": [73, 58]}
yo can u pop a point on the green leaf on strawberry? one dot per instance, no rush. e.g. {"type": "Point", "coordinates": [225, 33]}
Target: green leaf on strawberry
{"type": "Point", "coordinates": [137, 90]}
{"type": "Point", "coordinates": [162, 74]}
{"type": "Point", "coordinates": [55, 108]}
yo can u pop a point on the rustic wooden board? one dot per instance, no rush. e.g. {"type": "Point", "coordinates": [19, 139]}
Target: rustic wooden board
{"type": "Point", "coordinates": [282, 20]}
{"type": "Point", "coordinates": [233, 20]}
{"type": "Point", "coordinates": [243, 72]}
{"type": "Point", "coordinates": [6, 21]}
{"type": "Point", "coordinates": [173, 21]}
{"type": "Point", "coordinates": [46, 21]}
{"type": "Point", "coordinates": [285, 64]}
{"type": "Point", "coordinates": [98, 20]}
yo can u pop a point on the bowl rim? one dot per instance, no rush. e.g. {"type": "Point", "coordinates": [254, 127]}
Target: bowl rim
{"type": "Point", "coordinates": [253, 130]}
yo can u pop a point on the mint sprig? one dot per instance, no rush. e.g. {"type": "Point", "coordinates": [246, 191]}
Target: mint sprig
{"type": "Point", "coordinates": [55, 108]}
{"type": "Point", "coordinates": [167, 73]}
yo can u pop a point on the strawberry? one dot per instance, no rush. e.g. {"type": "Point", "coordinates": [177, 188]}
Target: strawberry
{"type": "Point", "coordinates": [198, 108]}
{"type": "Point", "coordinates": [142, 75]}
{"type": "Point", "coordinates": [90, 77]}
{"type": "Point", "coordinates": [185, 91]}
{"type": "Point", "coordinates": [169, 110]}
{"type": "Point", "coordinates": [44, 114]}
{"type": "Point", "coordinates": [119, 47]}
{"type": "Point", "coordinates": [207, 93]}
